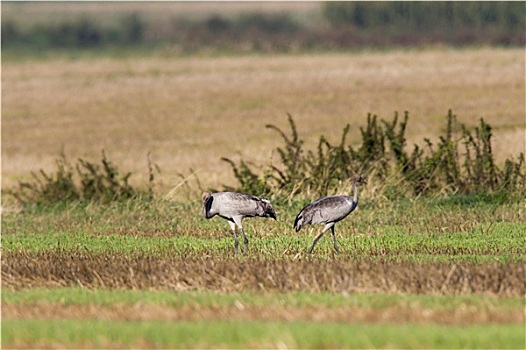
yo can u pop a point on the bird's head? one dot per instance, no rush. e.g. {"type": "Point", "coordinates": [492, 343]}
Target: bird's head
{"type": "Point", "coordinates": [269, 209]}
{"type": "Point", "coordinates": [357, 178]}
{"type": "Point", "coordinates": [205, 196]}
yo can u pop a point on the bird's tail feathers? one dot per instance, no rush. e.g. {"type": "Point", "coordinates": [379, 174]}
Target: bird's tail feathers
{"type": "Point", "coordinates": [299, 222]}
{"type": "Point", "coordinates": [207, 204]}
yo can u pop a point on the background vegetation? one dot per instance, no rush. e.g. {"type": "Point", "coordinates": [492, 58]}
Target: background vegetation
{"type": "Point", "coordinates": [339, 25]}
{"type": "Point", "coordinates": [462, 162]}
{"type": "Point", "coordinates": [132, 273]}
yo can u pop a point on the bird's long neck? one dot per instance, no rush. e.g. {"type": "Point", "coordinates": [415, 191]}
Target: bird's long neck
{"type": "Point", "coordinates": [355, 193]}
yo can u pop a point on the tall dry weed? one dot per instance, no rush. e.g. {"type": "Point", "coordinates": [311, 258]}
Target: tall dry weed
{"type": "Point", "coordinates": [461, 162]}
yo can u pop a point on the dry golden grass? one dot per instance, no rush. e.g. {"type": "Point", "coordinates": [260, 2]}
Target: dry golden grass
{"type": "Point", "coordinates": [190, 112]}
{"type": "Point", "coordinates": [271, 313]}
{"type": "Point", "coordinates": [70, 268]}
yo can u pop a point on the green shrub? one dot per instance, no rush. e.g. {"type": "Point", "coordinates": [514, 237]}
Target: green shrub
{"type": "Point", "coordinates": [84, 181]}
{"type": "Point", "coordinates": [461, 162]}
{"type": "Point", "coordinates": [427, 16]}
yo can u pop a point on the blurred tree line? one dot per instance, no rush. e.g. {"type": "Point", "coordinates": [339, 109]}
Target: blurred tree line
{"type": "Point", "coordinates": [428, 15]}
{"type": "Point", "coordinates": [347, 25]}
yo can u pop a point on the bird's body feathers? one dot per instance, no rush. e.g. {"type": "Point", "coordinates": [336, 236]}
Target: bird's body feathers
{"type": "Point", "coordinates": [325, 210]}
{"type": "Point", "coordinates": [230, 204]}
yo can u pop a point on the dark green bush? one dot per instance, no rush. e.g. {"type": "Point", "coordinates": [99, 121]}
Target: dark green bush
{"type": "Point", "coordinates": [83, 182]}
{"type": "Point", "coordinates": [428, 16]}
{"type": "Point", "coordinates": [77, 32]}
{"type": "Point", "coordinates": [461, 162]}
{"type": "Point", "coordinates": [266, 23]}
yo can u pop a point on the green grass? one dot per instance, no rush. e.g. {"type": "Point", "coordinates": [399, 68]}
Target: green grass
{"type": "Point", "coordinates": [101, 333]}
{"type": "Point", "coordinates": [424, 231]}
{"type": "Point", "coordinates": [503, 242]}
{"type": "Point", "coordinates": [243, 334]}
{"type": "Point", "coordinates": [78, 296]}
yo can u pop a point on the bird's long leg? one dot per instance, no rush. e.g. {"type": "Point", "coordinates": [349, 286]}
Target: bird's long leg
{"type": "Point", "coordinates": [334, 237]}
{"type": "Point", "coordinates": [233, 228]}
{"type": "Point", "coordinates": [317, 238]}
{"type": "Point", "coordinates": [239, 223]}
{"type": "Point", "coordinates": [245, 241]}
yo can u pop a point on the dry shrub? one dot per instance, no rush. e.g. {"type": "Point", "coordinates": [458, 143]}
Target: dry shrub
{"type": "Point", "coordinates": [22, 270]}
{"type": "Point", "coordinates": [84, 181]}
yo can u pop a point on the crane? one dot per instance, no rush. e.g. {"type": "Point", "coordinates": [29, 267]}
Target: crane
{"type": "Point", "coordinates": [328, 210]}
{"type": "Point", "coordinates": [234, 207]}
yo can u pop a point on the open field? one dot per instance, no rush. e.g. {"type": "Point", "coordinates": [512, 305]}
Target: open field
{"type": "Point", "coordinates": [112, 318]}
{"type": "Point", "coordinates": [424, 249]}
{"type": "Point", "coordinates": [190, 112]}
{"type": "Point", "coordinates": [419, 273]}
{"type": "Point", "coordinates": [260, 334]}
{"type": "Point", "coordinates": [432, 274]}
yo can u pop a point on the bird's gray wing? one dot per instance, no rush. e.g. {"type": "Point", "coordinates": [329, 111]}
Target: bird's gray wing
{"type": "Point", "coordinates": [236, 204]}
{"type": "Point", "coordinates": [324, 210]}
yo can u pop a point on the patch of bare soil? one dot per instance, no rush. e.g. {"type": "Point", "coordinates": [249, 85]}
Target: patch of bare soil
{"type": "Point", "coordinates": [21, 270]}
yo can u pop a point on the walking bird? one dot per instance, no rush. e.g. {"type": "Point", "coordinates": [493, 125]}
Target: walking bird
{"type": "Point", "coordinates": [234, 207]}
{"type": "Point", "coordinates": [328, 210]}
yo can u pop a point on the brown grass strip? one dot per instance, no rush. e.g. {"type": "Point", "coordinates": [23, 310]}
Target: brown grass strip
{"type": "Point", "coordinates": [22, 270]}
{"type": "Point", "coordinates": [240, 312]}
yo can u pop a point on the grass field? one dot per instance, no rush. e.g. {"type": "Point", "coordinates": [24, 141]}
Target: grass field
{"type": "Point", "coordinates": [422, 273]}
{"type": "Point", "coordinates": [190, 112]}
{"type": "Point", "coordinates": [430, 274]}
